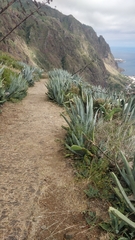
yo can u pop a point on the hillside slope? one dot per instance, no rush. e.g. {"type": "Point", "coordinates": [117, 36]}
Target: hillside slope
{"type": "Point", "coordinates": [56, 40]}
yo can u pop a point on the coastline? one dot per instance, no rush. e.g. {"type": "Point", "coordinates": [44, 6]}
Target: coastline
{"type": "Point", "coordinates": [125, 58]}
{"type": "Point", "coordinates": [119, 60]}
{"type": "Point", "coordinates": [132, 78]}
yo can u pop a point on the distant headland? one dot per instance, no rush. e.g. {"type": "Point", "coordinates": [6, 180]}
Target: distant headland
{"type": "Point", "coordinates": [119, 60]}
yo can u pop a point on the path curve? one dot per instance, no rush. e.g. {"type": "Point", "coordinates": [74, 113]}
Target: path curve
{"type": "Point", "coordinates": [39, 197]}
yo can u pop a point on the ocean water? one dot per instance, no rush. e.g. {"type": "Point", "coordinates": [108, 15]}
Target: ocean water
{"type": "Point", "coordinates": [128, 55]}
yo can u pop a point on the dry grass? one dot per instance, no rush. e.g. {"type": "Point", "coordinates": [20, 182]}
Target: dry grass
{"type": "Point", "coordinates": [114, 136]}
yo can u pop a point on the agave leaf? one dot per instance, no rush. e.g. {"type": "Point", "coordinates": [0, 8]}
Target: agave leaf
{"type": "Point", "coordinates": [83, 150]}
{"type": "Point", "coordinates": [118, 193]}
{"type": "Point", "coordinates": [124, 175]}
{"type": "Point", "coordinates": [1, 71]}
{"type": "Point", "coordinates": [128, 113]}
{"type": "Point", "coordinates": [121, 189]}
{"type": "Point", "coordinates": [106, 226]}
{"type": "Point", "coordinates": [69, 148]}
{"type": "Point", "coordinates": [114, 223]}
{"type": "Point", "coordinates": [133, 169]}
{"type": "Point", "coordinates": [129, 173]}
{"type": "Point", "coordinates": [118, 214]}
{"type": "Point", "coordinates": [66, 120]}
{"type": "Point", "coordinates": [132, 115]}
{"type": "Point", "coordinates": [75, 139]}
{"type": "Point", "coordinates": [123, 238]}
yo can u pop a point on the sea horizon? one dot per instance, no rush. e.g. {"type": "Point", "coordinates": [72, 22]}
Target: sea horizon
{"type": "Point", "coordinates": [127, 54]}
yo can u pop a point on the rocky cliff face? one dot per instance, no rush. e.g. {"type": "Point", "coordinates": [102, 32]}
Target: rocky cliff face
{"type": "Point", "coordinates": [58, 41]}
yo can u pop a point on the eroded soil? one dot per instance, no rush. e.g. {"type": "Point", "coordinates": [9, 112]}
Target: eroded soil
{"type": "Point", "coordinates": [39, 196]}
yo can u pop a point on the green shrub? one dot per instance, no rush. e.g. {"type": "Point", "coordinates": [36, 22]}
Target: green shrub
{"type": "Point", "coordinates": [7, 73]}
{"type": "Point", "coordinates": [7, 60]}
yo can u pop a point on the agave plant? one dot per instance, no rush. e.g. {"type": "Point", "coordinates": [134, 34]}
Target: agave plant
{"type": "Point", "coordinates": [31, 73]}
{"type": "Point", "coordinates": [27, 73]}
{"type": "Point", "coordinates": [58, 89]}
{"type": "Point", "coordinates": [99, 93]}
{"type": "Point", "coordinates": [81, 121]}
{"type": "Point", "coordinates": [59, 85]}
{"type": "Point", "coordinates": [129, 110]}
{"type": "Point", "coordinates": [109, 104]}
{"type": "Point", "coordinates": [37, 73]}
{"type": "Point", "coordinates": [118, 214]}
{"type": "Point", "coordinates": [60, 73]}
{"type": "Point", "coordinates": [128, 176]}
{"type": "Point", "coordinates": [18, 88]}
{"type": "Point", "coordinates": [2, 90]}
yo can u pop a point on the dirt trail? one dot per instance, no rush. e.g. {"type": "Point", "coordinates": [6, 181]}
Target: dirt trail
{"type": "Point", "coordinates": [39, 198]}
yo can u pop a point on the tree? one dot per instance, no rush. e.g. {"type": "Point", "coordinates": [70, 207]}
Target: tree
{"type": "Point", "coordinates": [35, 5]}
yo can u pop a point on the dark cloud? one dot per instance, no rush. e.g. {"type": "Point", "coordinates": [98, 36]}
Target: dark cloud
{"type": "Point", "coordinates": [113, 19]}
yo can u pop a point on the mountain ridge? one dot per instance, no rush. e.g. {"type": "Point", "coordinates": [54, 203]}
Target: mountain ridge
{"type": "Point", "coordinates": [55, 40]}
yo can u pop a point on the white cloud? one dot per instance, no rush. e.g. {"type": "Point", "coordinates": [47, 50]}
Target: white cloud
{"type": "Point", "coordinates": [113, 19]}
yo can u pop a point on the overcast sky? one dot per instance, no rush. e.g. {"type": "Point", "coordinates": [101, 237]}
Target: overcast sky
{"type": "Point", "coordinates": [113, 19]}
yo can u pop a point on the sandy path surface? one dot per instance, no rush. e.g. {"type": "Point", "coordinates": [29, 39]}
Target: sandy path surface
{"type": "Point", "coordinates": [39, 198]}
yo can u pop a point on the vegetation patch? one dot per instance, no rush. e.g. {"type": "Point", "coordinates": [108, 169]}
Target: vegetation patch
{"type": "Point", "coordinates": [100, 135]}
{"type": "Point", "coordinates": [14, 84]}
{"type": "Point", "coordinates": [6, 59]}
{"type": "Point", "coordinates": [7, 73]}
